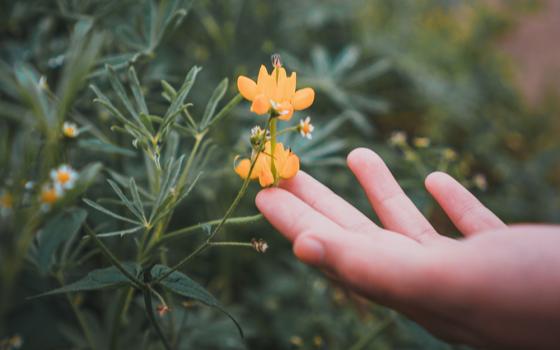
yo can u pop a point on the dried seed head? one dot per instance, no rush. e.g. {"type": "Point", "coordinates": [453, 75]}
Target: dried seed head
{"type": "Point", "coordinates": [260, 245]}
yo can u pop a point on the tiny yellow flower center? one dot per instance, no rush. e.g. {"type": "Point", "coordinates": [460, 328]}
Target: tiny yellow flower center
{"type": "Point", "coordinates": [49, 196]}
{"type": "Point", "coordinates": [306, 128]}
{"type": "Point", "coordinates": [63, 176]}
{"type": "Point", "coordinates": [69, 131]}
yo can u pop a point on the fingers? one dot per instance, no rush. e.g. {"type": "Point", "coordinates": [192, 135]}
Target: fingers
{"type": "Point", "coordinates": [464, 210]}
{"type": "Point", "coordinates": [395, 210]}
{"type": "Point", "coordinates": [290, 215]}
{"type": "Point", "coordinates": [379, 267]}
{"type": "Point", "coordinates": [325, 201]}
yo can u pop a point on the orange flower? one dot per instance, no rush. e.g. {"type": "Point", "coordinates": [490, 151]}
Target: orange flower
{"type": "Point", "coordinates": [285, 161]}
{"type": "Point", "coordinates": [275, 90]}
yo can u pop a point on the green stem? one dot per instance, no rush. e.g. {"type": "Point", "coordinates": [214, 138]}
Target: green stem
{"type": "Point", "coordinates": [273, 121]}
{"type": "Point", "coordinates": [217, 229]}
{"type": "Point", "coordinates": [137, 283]}
{"type": "Point", "coordinates": [190, 229]}
{"type": "Point", "coordinates": [287, 130]}
{"type": "Point", "coordinates": [231, 244]}
{"type": "Point", "coordinates": [150, 310]}
{"type": "Point", "coordinates": [225, 111]}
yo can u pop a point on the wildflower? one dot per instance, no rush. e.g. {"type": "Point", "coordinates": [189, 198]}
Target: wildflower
{"type": "Point", "coordinates": [260, 245]}
{"type": "Point", "coordinates": [398, 138]}
{"type": "Point", "coordinates": [296, 341]}
{"type": "Point", "coordinates": [317, 341]}
{"type": "Point", "coordinates": [449, 154]}
{"type": "Point", "coordinates": [305, 128]}
{"type": "Point", "coordinates": [480, 182]}
{"type": "Point", "coordinates": [70, 130]}
{"type": "Point", "coordinates": [285, 162]}
{"type": "Point", "coordinates": [276, 91]}
{"type": "Point", "coordinates": [162, 310]}
{"type": "Point", "coordinates": [49, 195]}
{"type": "Point", "coordinates": [421, 142]}
{"type": "Point", "coordinates": [6, 200]}
{"type": "Point", "coordinates": [64, 177]}
{"type": "Point", "coordinates": [257, 134]}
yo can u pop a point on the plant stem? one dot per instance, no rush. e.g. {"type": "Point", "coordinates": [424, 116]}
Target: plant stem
{"type": "Point", "coordinates": [273, 121]}
{"type": "Point", "coordinates": [150, 310]}
{"type": "Point", "coordinates": [231, 244]}
{"type": "Point", "coordinates": [186, 230]}
{"type": "Point", "coordinates": [113, 258]}
{"type": "Point", "coordinates": [122, 309]}
{"type": "Point", "coordinates": [225, 111]}
{"type": "Point", "coordinates": [228, 213]}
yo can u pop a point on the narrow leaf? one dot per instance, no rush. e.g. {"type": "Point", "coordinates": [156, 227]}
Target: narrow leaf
{"type": "Point", "coordinates": [109, 277]}
{"type": "Point", "coordinates": [57, 230]}
{"type": "Point", "coordinates": [216, 97]}
{"type": "Point", "coordinates": [178, 283]}
{"type": "Point", "coordinates": [110, 213]}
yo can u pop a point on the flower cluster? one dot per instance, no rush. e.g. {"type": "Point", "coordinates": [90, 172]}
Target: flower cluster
{"type": "Point", "coordinates": [274, 94]}
{"type": "Point", "coordinates": [62, 179]}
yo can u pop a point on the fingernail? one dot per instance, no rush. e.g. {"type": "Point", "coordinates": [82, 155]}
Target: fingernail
{"type": "Point", "coordinates": [309, 250]}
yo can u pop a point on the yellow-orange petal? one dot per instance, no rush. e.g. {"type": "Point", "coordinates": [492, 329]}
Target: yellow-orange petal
{"type": "Point", "coordinates": [262, 79]}
{"type": "Point", "coordinates": [289, 88]}
{"type": "Point", "coordinates": [280, 85]}
{"type": "Point", "coordinates": [265, 177]}
{"type": "Point", "coordinates": [290, 167]}
{"type": "Point", "coordinates": [260, 105]}
{"type": "Point", "coordinates": [285, 110]}
{"type": "Point", "coordinates": [242, 168]}
{"type": "Point", "coordinates": [303, 98]}
{"type": "Point", "coordinates": [247, 87]}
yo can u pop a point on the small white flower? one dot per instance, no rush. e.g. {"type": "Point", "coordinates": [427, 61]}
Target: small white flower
{"type": "Point", "coordinates": [398, 138]}
{"type": "Point", "coordinates": [64, 177]}
{"type": "Point", "coordinates": [70, 130]}
{"type": "Point", "coordinates": [306, 128]}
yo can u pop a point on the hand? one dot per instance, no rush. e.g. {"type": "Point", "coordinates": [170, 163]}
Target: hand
{"type": "Point", "coordinates": [497, 287]}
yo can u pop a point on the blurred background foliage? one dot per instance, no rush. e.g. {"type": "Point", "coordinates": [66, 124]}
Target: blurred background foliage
{"type": "Point", "coordinates": [421, 82]}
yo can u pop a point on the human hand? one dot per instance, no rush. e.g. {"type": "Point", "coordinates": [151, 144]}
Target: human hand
{"type": "Point", "coordinates": [497, 287]}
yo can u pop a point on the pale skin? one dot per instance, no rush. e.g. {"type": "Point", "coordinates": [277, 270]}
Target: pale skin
{"type": "Point", "coordinates": [498, 287]}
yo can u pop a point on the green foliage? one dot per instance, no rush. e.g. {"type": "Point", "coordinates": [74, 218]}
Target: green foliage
{"type": "Point", "coordinates": [156, 205]}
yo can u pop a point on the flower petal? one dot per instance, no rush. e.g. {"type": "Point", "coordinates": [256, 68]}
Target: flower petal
{"type": "Point", "coordinates": [242, 168]}
{"type": "Point", "coordinates": [261, 104]}
{"type": "Point", "coordinates": [289, 88]}
{"type": "Point", "coordinates": [290, 166]}
{"type": "Point", "coordinates": [247, 87]}
{"type": "Point", "coordinates": [265, 177]}
{"type": "Point", "coordinates": [303, 98]}
{"type": "Point", "coordinates": [286, 111]}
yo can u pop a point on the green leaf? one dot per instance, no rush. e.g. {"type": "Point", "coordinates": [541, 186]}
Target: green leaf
{"type": "Point", "coordinates": [120, 233]}
{"type": "Point", "coordinates": [183, 92]}
{"type": "Point", "coordinates": [137, 91]}
{"type": "Point", "coordinates": [126, 201]}
{"type": "Point", "coordinates": [216, 97]}
{"type": "Point", "coordinates": [178, 283]}
{"type": "Point", "coordinates": [110, 213]}
{"type": "Point", "coordinates": [100, 146]}
{"type": "Point", "coordinates": [109, 277]}
{"type": "Point", "coordinates": [58, 230]}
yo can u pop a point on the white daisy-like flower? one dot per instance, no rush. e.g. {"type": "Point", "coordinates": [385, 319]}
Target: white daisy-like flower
{"type": "Point", "coordinates": [64, 177]}
{"type": "Point", "coordinates": [70, 130]}
{"type": "Point", "coordinates": [305, 128]}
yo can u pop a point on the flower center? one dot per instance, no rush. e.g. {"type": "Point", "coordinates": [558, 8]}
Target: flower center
{"type": "Point", "coordinates": [49, 196]}
{"type": "Point", "coordinates": [63, 177]}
